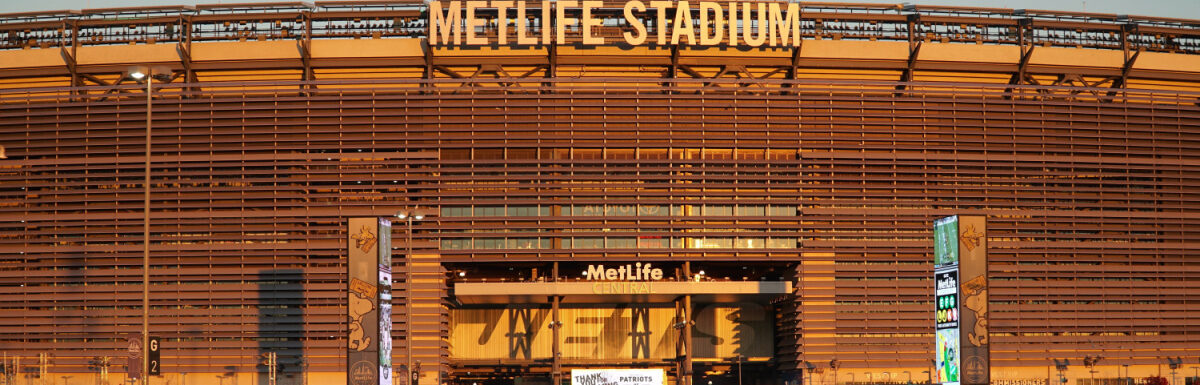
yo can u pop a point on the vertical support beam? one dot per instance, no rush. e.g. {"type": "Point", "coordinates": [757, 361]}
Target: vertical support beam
{"type": "Point", "coordinates": [551, 62]}
{"type": "Point", "coordinates": [685, 375]}
{"type": "Point", "coordinates": [1023, 28]}
{"type": "Point", "coordinates": [1130, 58]}
{"type": "Point", "coordinates": [185, 51]}
{"type": "Point", "coordinates": [68, 54]}
{"type": "Point", "coordinates": [1125, 39]}
{"type": "Point", "coordinates": [427, 50]}
{"type": "Point", "coordinates": [794, 70]}
{"type": "Point", "coordinates": [914, 48]}
{"type": "Point", "coordinates": [686, 378]}
{"type": "Point", "coordinates": [556, 346]}
{"type": "Point", "coordinates": [672, 69]}
{"type": "Point", "coordinates": [306, 51]}
{"type": "Point", "coordinates": [551, 51]}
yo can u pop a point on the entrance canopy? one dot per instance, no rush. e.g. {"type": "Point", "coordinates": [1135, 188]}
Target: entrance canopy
{"type": "Point", "coordinates": [619, 291]}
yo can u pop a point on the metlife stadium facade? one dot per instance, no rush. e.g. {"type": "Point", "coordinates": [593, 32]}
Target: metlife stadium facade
{"type": "Point", "coordinates": [784, 192]}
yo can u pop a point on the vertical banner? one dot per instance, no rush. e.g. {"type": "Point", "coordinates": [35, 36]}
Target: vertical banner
{"type": "Point", "coordinates": [946, 314]}
{"type": "Point", "coordinates": [973, 289]}
{"type": "Point", "coordinates": [385, 302]}
{"type": "Point", "coordinates": [362, 297]}
{"type": "Point", "coordinates": [960, 300]}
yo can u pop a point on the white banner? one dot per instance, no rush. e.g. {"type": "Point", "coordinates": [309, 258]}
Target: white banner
{"type": "Point", "coordinates": [617, 376]}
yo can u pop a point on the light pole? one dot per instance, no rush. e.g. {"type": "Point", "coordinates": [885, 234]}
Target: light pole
{"type": "Point", "coordinates": [409, 217]}
{"type": "Point", "coordinates": [1090, 362]}
{"type": "Point", "coordinates": [739, 366]}
{"type": "Point", "coordinates": [146, 73]}
{"type": "Point", "coordinates": [808, 369]}
{"type": "Point", "coordinates": [834, 365]}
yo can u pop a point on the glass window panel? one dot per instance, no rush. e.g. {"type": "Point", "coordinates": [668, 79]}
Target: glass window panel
{"type": "Point", "coordinates": [620, 211]}
{"type": "Point", "coordinates": [751, 210]}
{"type": "Point", "coordinates": [749, 243]}
{"type": "Point", "coordinates": [523, 243]}
{"type": "Point", "coordinates": [717, 210]}
{"type": "Point", "coordinates": [781, 243]}
{"type": "Point", "coordinates": [621, 243]}
{"type": "Point", "coordinates": [489, 243]}
{"type": "Point", "coordinates": [782, 211]}
{"type": "Point", "coordinates": [492, 211]}
{"type": "Point", "coordinates": [712, 243]}
{"type": "Point", "coordinates": [522, 211]}
{"type": "Point", "coordinates": [587, 210]}
{"type": "Point", "coordinates": [456, 244]}
{"type": "Point", "coordinates": [456, 211]}
{"type": "Point", "coordinates": [653, 210]}
{"type": "Point", "coordinates": [588, 243]}
{"type": "Point", "coordinates": [653, 242]}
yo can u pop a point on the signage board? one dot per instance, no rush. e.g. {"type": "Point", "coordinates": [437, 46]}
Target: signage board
{"type": "Point", "coordinates": [385, 302]}
{"type": "Point", "coordinates": [134, 367]}
{"type": "Point", "coordinates": [960, 301]}
{"type": "Point", "coordinates": [750, 23]}
{"type": "Point", "coordinates": [155, 356]}
{"type": "Point", "coordinates": [973, 304]}
{"type": "Point", "coordinates": [617, 377]}
{"type": "Point", "coordinates": [368, 296]}
{"type": "Point", "coordinates": [945, 241]}
{"type": "Point", "coordinates": [946, 326]}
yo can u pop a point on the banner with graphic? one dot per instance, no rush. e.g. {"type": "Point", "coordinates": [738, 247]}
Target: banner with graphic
{"type": "Point", "coordinates": [385, 302]}
{"type": "Point", "coordinates": [362, 301]}
{"type": "Point", "coordinates": [960, 300]}
{"type": "Point", "coordinates": [973, 290]}
{"type": "Point", "coordinates": [617, 376]}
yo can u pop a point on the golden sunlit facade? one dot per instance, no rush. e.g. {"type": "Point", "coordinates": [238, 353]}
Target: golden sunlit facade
{"type": "Point", "coordinates": [820, 165]}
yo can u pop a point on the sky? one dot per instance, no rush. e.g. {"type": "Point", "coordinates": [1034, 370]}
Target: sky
{"type": "Point", "coordinates": [1186, 9]}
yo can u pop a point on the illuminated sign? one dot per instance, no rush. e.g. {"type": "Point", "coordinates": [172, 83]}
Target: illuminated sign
{"type": "Point", "coordinates": [736, 23]}
{"type": "Point", "coordinates": [945, 241]}
{"type": "Point", "coordinates": [946, 299]}
{"type": "Point", "coordinates": [946, 312]}
{"type": "Point", "coordinates": [634, 272]}
{"type": "Point", "coordinates": [622, 288]}
{"type": "Point", "coordinates": [960, 300]}
{"type": "Point", "coordinates": [946, 326]}
{"type": "Point", "coordinates": [385, 302]}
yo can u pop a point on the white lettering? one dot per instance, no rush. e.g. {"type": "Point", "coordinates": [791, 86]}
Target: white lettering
{"type": "Point", "coordinates": [636, 272]}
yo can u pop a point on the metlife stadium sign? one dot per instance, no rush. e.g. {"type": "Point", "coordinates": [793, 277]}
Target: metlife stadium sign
{"type": "Point", "coordinates": [960, 300]}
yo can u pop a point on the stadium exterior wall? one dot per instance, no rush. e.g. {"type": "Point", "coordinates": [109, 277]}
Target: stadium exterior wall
{"type": "Point", "coordinates": [1077, 135]}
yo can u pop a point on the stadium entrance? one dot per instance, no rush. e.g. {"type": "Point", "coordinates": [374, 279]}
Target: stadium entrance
{"type": "Point", "coordinates": [652, 322]}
